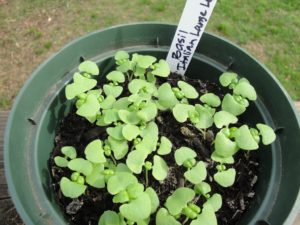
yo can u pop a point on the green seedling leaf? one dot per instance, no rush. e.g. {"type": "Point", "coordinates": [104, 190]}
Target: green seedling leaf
{"type": "Point", "coordinates": [188, 90]}
{"type": "Point", "coordinates": [121, 167]}
{"type": "Point", "coordinates": [119, 147]}
{"type": "Point", "coordinates": [136, 85]}
{"type": "Point", "coordinates": [154, 199]}
{"type": "Point", "coordinates": [130, 132]}
{"type": "Point", "coordinates": [223, 118]}
{"type": "Point", "coordinates": [228, 160]}
{"type": "Point", "coordinates": [136, 160]}
{"type": "Point", "coordinates": [116, 76]}
{"type": "Point", "coordinates": [115, 91]}
{"type": "Point", "coordinates": [81, 165]}
{"type": "Point", "coordinates": [89, 67]}
{"type": "Point", "coordinates": [139, 72]}
{"type": "Point", "coordinates": [148, 113]}
{"type": "Point", "coordinates": [225, 178]}
{"type": "Point", "coordinates": [110, 218]}
{"type": "Point", "coordinates": [162, 69]}
{"type": "Point", "coordinates": [160, 168]}
{"type": "Point", "coordinates": [116, 132]}
{"type": "Point", "coordinates": [69, 151]}
{"type": "Point", "coordinates": [121, 197]}
{"type": "Point", "coordinates": [124, 67]}
{"type": "Point", "coordinates": [81, 84]}
{"type": "Point", "coordinates": [215, 201]}
{"type": "Point", "coordinates": [267, 133]}
{"type": "Point", "coordinates": [197, 174]}
{"type": "Point", "coordinates": [181, 112]}
{"type": "Point", "coordinates": [90, 107]}
{"type": "Point", "coordinates": [121, 55]}
{"type": "Point", "coordinates": [145, 61]}
{"type": "Point", "coordinates": [135, 190]}
{"type": "Point", "coordinates": [227, 78]}
{"type": "Point", "coordinates": [229, 104]}
{"type": "Point", "coordinates": [121, 103]}
{"type": "Point", "coordinates": [61, 161]}
{"type": "Point", "coordinates": [164, 218]}
{"type": "Point", "coordinates": [108, 102]}
{"type": "Point", "coordinates": [110, 116]}
{"type": "Point", "coordinates": [165, 146]}
{"type": "Point", "coordinates": [205, 117]}
{"type": "Point", "coordinates": [119, 182]}
{"type": "Point", "coordinates": [224, 147]}
{"type": "Point", "coordinates": [207, 217]}
{"type": "Point", "coordinates": [244, 139]}
{"type": "Point", "coordinates": [151, 130]}
{"type": "Point", "coordinates": [148, 144]}
{"type": "Point", "coordinates": [128, 117]}
{"type": "Point", "coordinates": [166, 97]}
{"type": "Point", "coordinates": [184, 153]}
{"type": "Point", "coordinates": [96, 178]}
{"type": "Point", "coordinates": [211, 99]}
{"type": "Point", "coordinates": [138, 209]}
{"type": "Point", "coordinates": [71, 189]}
{"type": "Point", "coordinates": [245, 90]}
{"type": "Point", "coordinates": [179, 199]}
{"type": "Point", "coordinates": [202, 188]}
{"type": "Point", "coordinates": [94, 152]}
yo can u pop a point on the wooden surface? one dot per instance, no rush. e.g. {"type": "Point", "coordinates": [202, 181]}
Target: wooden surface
{"type": "Point", "coordinates": [8, 214]}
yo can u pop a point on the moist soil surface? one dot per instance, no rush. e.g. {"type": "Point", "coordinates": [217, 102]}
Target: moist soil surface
{"type": "Point", "coordinates": [76, 131]}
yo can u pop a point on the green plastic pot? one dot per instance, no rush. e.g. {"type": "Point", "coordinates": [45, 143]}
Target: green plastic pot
{"type": "Point", "coordinates": [41, 104]}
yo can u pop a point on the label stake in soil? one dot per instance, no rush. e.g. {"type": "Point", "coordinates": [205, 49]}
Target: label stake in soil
{"type": "Point", "coordinates": [191, 26]}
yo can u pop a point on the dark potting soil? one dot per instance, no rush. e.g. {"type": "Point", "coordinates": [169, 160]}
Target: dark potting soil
{"type": "Point", "coordinates": [76, 131]}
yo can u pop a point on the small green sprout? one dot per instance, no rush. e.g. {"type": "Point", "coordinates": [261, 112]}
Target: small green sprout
{"type": "Point", "coordinates": [223, 118]}
{"type": "Point", "coordinates": [164, 218]}
{"type": "Point", "coordinates": [181, 112]}
{"type": "Point", "coordinates": [111, 218]}
{"type": "Point", "coordinates": [224, 147]}
{"type": "Point", "coordinates": [188, 90]}
{"type": "Point", "coordinates": [135, 160]}
{"type": "Point", "coordinates": [165, 146]}
{"type": "Point", "coordinates": [203, 189]}
{"type": "Point", "coordinates": [166, 96]}
{"type": "Point", "coordinates": [196, 174]}
{"type": "Point", "coordinates": [244, 138]}
{"type": "Point", "coordinates": [116, 76]}
{"type": "Point", "coordinates": [225, 177]}
{"type": "Point", "coordinates": [130, 132]}
{"type": "Point", "coordinates": [118, 147]}
{"type": "Point", "coordinates": [89, 67]}
{"type": "Point", "coordinates": [160, 168]}
{"type": "Point", "coordinates": [211, 99]}
{"type": "Point", "coordinates": [81, 165]}
{"type": "Point", "coordinates": [184, 155]}
{"type": "Point", "coordinates": [267, 133]}
{"type": "Point", "coordinates": [71, 189]}
{"type": "Point", "coordinates": [111, 89]}
{"type": "Point", "coordinates": [207, 216]}
{"type": "Point", "coordinates": [69, 153]}
{"type": "Point", "coordinates": [94, 152]}
{"type": "Point", "coordinates": [161, 69]}
{"type": "Point", "coordinates": [228, 78]}
{"type": "Point", "coordinates": [215, 201]}
{"type": "Point", "coordinates": [119, 182]}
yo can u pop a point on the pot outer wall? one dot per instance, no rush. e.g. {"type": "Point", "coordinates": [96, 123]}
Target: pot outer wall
{"type": "Point", "coordinates": [41, 104]}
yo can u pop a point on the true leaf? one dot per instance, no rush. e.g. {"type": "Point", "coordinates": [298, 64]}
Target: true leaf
{"type": "Point", "coordinates": [89, 67]}
{"type": "Point", "coordinates": [179, 199]}
{"type": "Point", "coordinates": [224, 147]}
{"type": "Point", "coordinates": [109, 218]}
{"type": "Point", "coordinates": [223, 118]}
{"type": "Point", "coordinates": [130, 132]}
{"type": "Point", "coordinates": [116, 132]}
{"type": "Point", "coordinates": [135, 160]}
{"type": "Point", "coordinates": [162, 68]}
{"type": "Point", "coordinates": [90, 107]}
{"type": "Point", "coordinates": [188, 90]}
{"type": "Point", "coordinates": [227, 78]}
{"type": "Point", "coordinates": [184, 153]}
{"type": "Point", "coordinates": [128, 117]}
{"type": "Point", "coordinates": [165, 146]}
{"type": "Point", "coordinates": [246, 90]}
{"type": "Point", "coordinates": [116, 76]}
{"type": "Point", "coordinates": [160, 168]}
{"type": "Point", "coordinates": [154, 199]}
{"type": "Point", "coordinates": [96, 178]}
{"type": "Point", "coordinates": [225, 178]}
{"type": "Point", "coordinates": [267, 133]}
{"type": "Point", "coordinates": [71, 189]}
{"type": "Point", "coordinates": [138, 209]}
{"type": "Point", "coordinates": [115, 91]}
{"type": "Point", "coordinates": [207, 217]}
{"type": "Point", "coordinates": [211, 99]}
{"type": "Point", "coordinates": [230, 105]}
{"type": "Point", "coordinates": [181, 112]}
{"type": "Point", "coordinates": [108, 102]}
{"type": "Point", "coordinates": [164, 218]}
{"type": "Point", "coordinates": [118, 147]}
{"type": "Point", "coordinates": [61, 161]}
{"type": "Point", "coordinates": [69, 151]}
{"type": "Point", "coordinates": [81, 165]}
{"type": "Point", "coordinates": [166, 97]}
{"type": "Point", "coordinates": [197, 174]}
{"type": "Point", "coordinates": [94, 152]}
{"type": "Point", "coordinates": [119, 182]}
{"type": "Point", "coordinates": [215, 201]}
{"type": "Point", "coordinates": [244, 138]}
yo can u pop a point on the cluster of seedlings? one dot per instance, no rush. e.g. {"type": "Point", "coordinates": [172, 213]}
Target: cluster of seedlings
{"type": "Point", "coordinates": [134, 145]}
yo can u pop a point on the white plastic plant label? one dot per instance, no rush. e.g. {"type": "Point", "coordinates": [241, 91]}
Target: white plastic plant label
{"type": "Point", "coordinates": [191, 26]}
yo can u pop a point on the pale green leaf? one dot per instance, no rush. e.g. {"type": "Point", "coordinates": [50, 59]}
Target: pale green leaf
{"type": "Point", "coordinates": [96, 178]}
{"type": "Point", "coordinates": [267, 133]}
{"type": "Point", "coordinates": [225, 178]}
{"type": "Point", "coordinates": [223, 118]}
{"type": "Point", "coordinates": [227, 78]}
{"type": "Point", "coordinates": [211, 99]}
{"type": "Point", "coordinates": [130, 132]}
{"type": "Point", "coordinates": [71, 189]}
{"type": "Point", "coordinates": [165, 146]}
{"type": "Point", "coordinates": [245, 90]}
{"type": "Point", "coordinates": [162, 69]}
{"type": "Point", "coordinates": [228, 160]}
{"type": "Point", "coordinates": [207, 217]}
{"type": "Point", "coordinates": [205, 117]}
{"type": "Point", "coordinates": [184, 153]}
{"type": "Point", "coordinates": [166, 97]}
{"type": "Point", "coordinates": [202, 188]}
{"type": "Point", "coordinates": [154, 198]}
{"type": "Point", "coordinates": [121, 55]}
{"type": "Point", "coordinates": [94, 152]}
{"type": "Point", "coordinates": [151, 129]}
{"type": "Point", "coordinates": [148, 113]}
{"type": "Point", "coordinates": [215, 201]}
{"type": "Point", "coordinates": [160, 168]}
{"type": "Point", "coordinates": [224, 147]}
{"type": "Point", "coordinates": [188, 90]}
{"type": "Point", "coordinates": [89, 67]}
{"type": "Point", "coordinates": [197, 174]}
{"type": "Point", "coordinates": [230, 105]}
{"type": "Point", "coordinates": [116, 132]}
{"type": "Point", "coordinates": [69, 151]}
{"type": "Point", "coordinates": [121, 103]}
{"type": "Point", "coordinates": [116, 76]}
{"type": "Point", "coordinates": [128, 117]}
{"type": "Point", "coordinates": [90, 107]}
{"type": "Point", "coordinates": [61, 161]}
{"type": "Point", "coordinates": [244, 138]}
{"type": "Point", "coordinates": [145, 61]}
{"type": "Point", "coordinates": [135, 160]}
{"type": "Point", "coordinates": [135, 190]}
{"type": "Point", "coordinates": [121, 197]}
{"type": "Point", "coordinates": [108, 102]}
{"type": "Point", "coordinates": [118, 147]}
{"type": "Point", "coordinates": [148, 144]}
{"type": "Point", "coordinates": [181, 112]}
{"type": "Point", "coordinates": [110, 116]}
{"type": "Point", "coordinates": [115, 91]}
{"type": "Point", "coordinates": [119, 182]}
{"type": "Point", "coordinates": [164, 218]}
{"type": "Point", "coordinates": [138, 85]}
{"type": "Point", "coordinates": [81, 165]}
{"type": "Point", "coordinates": [179, 199]}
